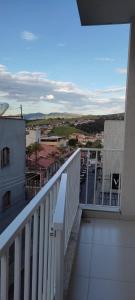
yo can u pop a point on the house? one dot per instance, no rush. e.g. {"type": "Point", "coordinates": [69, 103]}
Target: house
{"type": "Point", "coordinates": [45, 162]}
{"type": "Point", "coordinates": [59, 141]}
{"type": "Point", "coordinates": [32, 136]}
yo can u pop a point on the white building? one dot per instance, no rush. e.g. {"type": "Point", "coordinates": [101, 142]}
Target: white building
{"type": "Point", "coordinates": [113, 154]}
{"type": "Point", "coordinates": [114, 131]}
{"type": "Point", "coordinates": [59, 141]}
{"type": "Point", "coordinates": [33, 136]}
{"type": "Point", "coordinates": [12, 162]}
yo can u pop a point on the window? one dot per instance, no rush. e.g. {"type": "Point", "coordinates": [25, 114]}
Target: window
{"type": "Point", "coordinates": [6, 200]}
{"type": "Point", "coordinates": [5, 157]}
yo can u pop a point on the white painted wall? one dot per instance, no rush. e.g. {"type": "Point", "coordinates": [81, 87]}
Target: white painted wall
{"type": "Point", "coordinates": [128, 188]}
{"type": "Point", "coordinates": [33, 136]}
{"type": "Point", "coordinates": [12, 177]}
{"type": "Point", "coordinates": [113, 150]}
{"type": "Point", "coordinates": [114, 134]}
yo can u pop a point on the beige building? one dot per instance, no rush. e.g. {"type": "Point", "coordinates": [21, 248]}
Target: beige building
{"type": "Point", "coordinates": [57, 141]}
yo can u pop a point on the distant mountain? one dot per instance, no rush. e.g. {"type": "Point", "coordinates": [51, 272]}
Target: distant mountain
{"type": "Point", "coordinates": [98, 124]}
{"type": "Point", "coordinates": [34, 116]}
{"type": "Point", "coordinates": [38, 116]}
{"type": "Point", "coordinates": [64, 115]}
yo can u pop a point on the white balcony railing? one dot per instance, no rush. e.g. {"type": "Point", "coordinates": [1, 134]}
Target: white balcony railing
{"type": "Point", "coordinates": [32, 247]}
{"type": "Point", "coordinates": [101, 175]}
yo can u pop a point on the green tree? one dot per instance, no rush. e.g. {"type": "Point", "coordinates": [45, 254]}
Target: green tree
{"type": "Point", "coordinates": [97, 144]}
{"type": "Point", "coordinates": [89, 144]}
{"type": "Point", "coordinates": [34, 148]}
{"type": "Point", "coordinates": [72, 142]}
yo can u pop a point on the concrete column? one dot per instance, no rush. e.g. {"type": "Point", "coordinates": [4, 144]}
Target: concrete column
{"type": "Point", "coordinates": [128, 180]}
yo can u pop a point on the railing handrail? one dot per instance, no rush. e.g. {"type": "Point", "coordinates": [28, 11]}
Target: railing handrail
{"type": "Point", "coordinates": [100, 149]}
{"type": "Point", "coordinates": [18, 223]}
{"type": "Point", "coordinates": [59, 214]}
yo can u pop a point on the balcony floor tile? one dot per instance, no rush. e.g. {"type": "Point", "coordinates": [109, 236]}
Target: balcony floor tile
{"type": "Point", "coordinates": [82, 261]}
{"type": "Point", "coordinates": [112, 262]}
{"type": "Point", "coordinates": [105, 262]}
{"type": "Point", "coordinates": [79, 289]}
{"type": "Point", "coordinates": [86, 232]}
{"type": "Point", "coordinates": [100, 289]}
{"type": "Point", "coordinates": [114, 232]}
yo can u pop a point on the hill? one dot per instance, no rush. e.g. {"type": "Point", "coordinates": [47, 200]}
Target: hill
{"type": "Point", "coordinates": [39, 116]}
{"type": "Point", "coordinates": [65, 131]}
{"type": "Point", "coordinates": [98, 125]}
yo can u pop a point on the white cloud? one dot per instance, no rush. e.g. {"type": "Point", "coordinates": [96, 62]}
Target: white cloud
{"type": "Point", "coordinates": [34, 89]}
{"type": "Point", "coordinates": [121, 70]}
{"type": "Point", "coordinates": [48, 97]}
{"type": "Point", "coordinates": [3, 94]}
{"type": "Point", "coordinates": [28, 36]}
{"type": "Point", "coordinates": [105, 59]}
{"type": "Point", "coordinates": [112, 90]}
{"type": "Point", "coordinates": [2, 68]}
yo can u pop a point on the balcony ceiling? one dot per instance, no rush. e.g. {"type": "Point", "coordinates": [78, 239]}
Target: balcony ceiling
{"type": "Point", "coordinates": [103, 12]}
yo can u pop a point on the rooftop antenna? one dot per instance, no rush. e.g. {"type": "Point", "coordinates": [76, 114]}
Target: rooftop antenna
{"type": "Point", "coordinates": [3, 108]}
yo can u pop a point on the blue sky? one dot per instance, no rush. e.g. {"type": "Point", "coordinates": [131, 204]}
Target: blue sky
{"type": "Point", "coordinates": [49, 62]}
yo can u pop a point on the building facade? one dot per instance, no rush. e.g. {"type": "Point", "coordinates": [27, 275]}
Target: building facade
{"type": "Point", "coordinates": [33, 136]}
{"type": "Point", "coordinates": [113, 154]}
{"type": "Point", "coordinates": [58, 141]}
{"type": "Point", "coordinates": [12, 162]}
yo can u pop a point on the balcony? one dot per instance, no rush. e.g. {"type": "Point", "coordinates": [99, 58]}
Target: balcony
{"type": "Point", "coordinates": [104, 266]}
{"type": "Point", "coordinates": [34, 249]}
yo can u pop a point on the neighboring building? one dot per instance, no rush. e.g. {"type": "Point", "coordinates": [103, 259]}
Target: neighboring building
{"type": "Point", "coordinates": [114, 131]}
{"type": "Point", "coordinates": [82, 138]}
{"type": "Point", "coordinates": [32, 136]}
{"type": "Point", "coordinates": [12, 162]}
{"type": "Point", "coordinates": [113, 153]}
{"type": "Point", "coordinates": [42, 166]}
{"type": "Point", "coordinates": [45, 162]}
{"type": "Point", "coordinates": [58, 141]}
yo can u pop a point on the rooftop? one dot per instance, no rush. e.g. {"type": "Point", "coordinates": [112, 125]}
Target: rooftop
{"type": "Point", "coordinates": [13, 118]}
{"type": "Point", "coordinates": [53, 137]}
{"type": "Point", "coordinates": [45, 157]}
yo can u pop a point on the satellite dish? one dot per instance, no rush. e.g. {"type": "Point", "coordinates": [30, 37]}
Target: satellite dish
{"type": "Point", "coordinates": [3, 108]}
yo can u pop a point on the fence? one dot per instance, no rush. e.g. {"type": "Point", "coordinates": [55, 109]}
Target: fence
{"type": "Point", "coordinates": [100, 177]}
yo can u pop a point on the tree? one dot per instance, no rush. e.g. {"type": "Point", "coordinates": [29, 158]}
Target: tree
{"type": "Point", "coordinates": [97, 144]}
{"type": "Point", "coordinates": [89, 144]}
{"type": "Point", "coordinates": [72, 142]}
{"type": "Point", "coordinates": [34, 148]}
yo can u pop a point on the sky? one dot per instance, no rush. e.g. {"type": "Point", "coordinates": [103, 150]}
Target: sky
{"type": "Point", "coordinates": [50, 63]}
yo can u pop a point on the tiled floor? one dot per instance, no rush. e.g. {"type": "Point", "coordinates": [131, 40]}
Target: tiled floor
{"type": "Point", "coordinates": [104, 268]}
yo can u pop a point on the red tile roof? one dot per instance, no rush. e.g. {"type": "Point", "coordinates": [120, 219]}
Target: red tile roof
{"type": "Point", "coordinates": [46, 157]}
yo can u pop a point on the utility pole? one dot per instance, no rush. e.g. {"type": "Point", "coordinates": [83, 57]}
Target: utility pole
{"type": "Point", "coordinates": [21, 111]}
